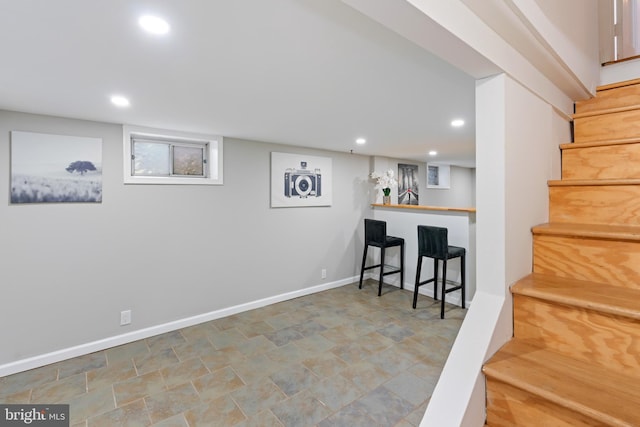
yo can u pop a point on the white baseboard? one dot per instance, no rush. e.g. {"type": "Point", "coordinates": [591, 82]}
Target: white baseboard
{"type": "Point", "coordinates": [91, 347]}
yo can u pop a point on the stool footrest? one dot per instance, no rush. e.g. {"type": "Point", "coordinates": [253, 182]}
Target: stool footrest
{"type": "Point", "coordinates": [386, 266]}
{"type": "Point", "coordinates": [424, 282]}
{"type": "Point", "coordinates": [391, 266]}
{"type": "Point", "coordinates": [390, 272]}
{"type": "Point", "coordinates": [372, 266]}
{"type": "Point", "coordinates": [455, 288]}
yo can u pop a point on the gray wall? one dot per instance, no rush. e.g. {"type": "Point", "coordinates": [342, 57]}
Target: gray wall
{"type": "Point", "coordinates": [382, 164]}
{"type": "Point", "coordinates": [461, 194]}
{"type": "Point", "coordinates": [165, 252]}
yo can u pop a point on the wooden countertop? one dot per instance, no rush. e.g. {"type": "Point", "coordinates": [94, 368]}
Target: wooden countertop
{"type": "Point", "coordinates": [425, 208]}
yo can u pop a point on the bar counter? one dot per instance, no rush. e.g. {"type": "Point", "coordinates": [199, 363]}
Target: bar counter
{"type": "Point", "coordinates": [424, 208]}
{"type": "Point", "coordinates": [403, 220]}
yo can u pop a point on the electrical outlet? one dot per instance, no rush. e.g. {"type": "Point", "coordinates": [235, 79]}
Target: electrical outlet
{"type": "Point", "coordinates": [125, 317]}
{"type": "Point", "coordinates": [323, 273]}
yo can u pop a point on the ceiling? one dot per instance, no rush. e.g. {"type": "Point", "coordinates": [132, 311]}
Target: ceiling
{"type": "Point", "coordinates": [314, 73]}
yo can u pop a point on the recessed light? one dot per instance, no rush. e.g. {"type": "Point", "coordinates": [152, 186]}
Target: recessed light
{"type": "Point", "coordinates": [433, 153]}
{"type": "Point", "coordinates": [119, 101]}
{"type": "Point", "coordinates": [153, 24]}
{"type": "Point", "coordinates": [457, 123]}
{"type": "Point", "coordinates": [361, 141]}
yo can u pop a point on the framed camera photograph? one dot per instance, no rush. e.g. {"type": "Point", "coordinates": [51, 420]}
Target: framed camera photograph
{"type": "Point", "coordinates": [300, 180]}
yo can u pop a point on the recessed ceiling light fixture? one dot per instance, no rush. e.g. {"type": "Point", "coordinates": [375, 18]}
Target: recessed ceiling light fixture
{"type": "Point", "coordinates": [119, 101]}
{"type": "Point", "coordinates": [154, 24]}
{"type": "Point", "coordinates": [457, 123]}
{"type": "Point", "coordinates": [433, 153]}
{"type": "Point", "coordinates": [361, 141]}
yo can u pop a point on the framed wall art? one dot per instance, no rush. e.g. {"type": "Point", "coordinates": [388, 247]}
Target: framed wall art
{"type": "Point", "coordinates": [300, 180]}
{"type": "Point", "coordinates": [55, 168]}
{"type": "Point", "coordinates": [408, 190]}
{"type": "Point", "coordinates": [438, 176]}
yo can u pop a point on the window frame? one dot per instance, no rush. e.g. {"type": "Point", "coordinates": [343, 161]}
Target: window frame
{"type": "Point", "coordinates": [213, 167]}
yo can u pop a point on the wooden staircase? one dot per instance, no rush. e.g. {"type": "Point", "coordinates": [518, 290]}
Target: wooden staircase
{"type": "Point", "coordinates": [574, 359]}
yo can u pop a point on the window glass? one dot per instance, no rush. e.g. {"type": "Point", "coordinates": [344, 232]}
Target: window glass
{"type": "Point", "coordinates": [156, 156]}
{"type": "Point", "coordinates": [188, 160]}
{"type": "Point", "coordinates": [151, 159]}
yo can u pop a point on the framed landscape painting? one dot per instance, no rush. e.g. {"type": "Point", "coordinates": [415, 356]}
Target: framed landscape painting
{"type": "Point", "coordinates": [55, 168]}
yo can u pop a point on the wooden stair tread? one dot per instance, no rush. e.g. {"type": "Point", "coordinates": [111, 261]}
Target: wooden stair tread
{"type": "Point", "coordinates": [605, 111]}
{"type": "Point", "coordinates": [613, 96]}
{"type": "Point", "coordinates": [574, 355]}
{"type": "Point", "coordinates": [608, 397]}
{"type": "Point", "coordinates": [595, 231]}
{"type": "Point", "coordinates": [618, 85]}
{"type": "Point", "coordinates": [614, 300]}
{"type": "Point", "coordinates": [586, 182]}
{"type": "Point", "coordinates": [603, 143]}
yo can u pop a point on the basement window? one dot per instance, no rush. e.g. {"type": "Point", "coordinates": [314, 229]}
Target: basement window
{"type": "Point", "coordinates": [153, 156]}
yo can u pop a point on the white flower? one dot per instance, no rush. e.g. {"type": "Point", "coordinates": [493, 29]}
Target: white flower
{"type": "Point", "coordinates": [385, 181]}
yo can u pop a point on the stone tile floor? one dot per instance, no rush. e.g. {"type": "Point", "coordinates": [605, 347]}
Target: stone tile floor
{"type": "Point", "coordinates": [342, 357]}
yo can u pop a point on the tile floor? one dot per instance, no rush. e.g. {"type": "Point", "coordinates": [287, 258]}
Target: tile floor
{"type": "Point", "coordinates": [343, 357]}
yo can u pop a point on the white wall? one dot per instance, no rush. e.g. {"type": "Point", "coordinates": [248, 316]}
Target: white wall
{"type": "Point", "coordinates": [614, 73]}
{"type": "Point", "coordinates": [382, 164]}
{"type": "Point", "coordinates": [517, 152]}
{"type": "Point", "coordinates": [165, 252]}
{"type": "Point", "coordinates": [459, 397]}
{"type": "Point", "coordinates": [467, 26]}
{"type": "Point", "coordinates": [570, 30]}
{"type": "Point", "coordinates": [532, 158]}
{"type": "Point", "coordinates": [461, 193]}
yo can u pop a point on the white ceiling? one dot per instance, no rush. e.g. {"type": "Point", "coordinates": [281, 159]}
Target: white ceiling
{"type": "Point", "coordinates": [313, 73]}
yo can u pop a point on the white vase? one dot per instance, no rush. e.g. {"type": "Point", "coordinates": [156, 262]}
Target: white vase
{"type": "Point", "coordinates": [386, 200]}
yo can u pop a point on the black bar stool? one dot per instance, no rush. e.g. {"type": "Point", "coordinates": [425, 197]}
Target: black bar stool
{"type": "Point", "coordinates": [375, 234]}
{"type": "Point", "coordinates": [433, 243]}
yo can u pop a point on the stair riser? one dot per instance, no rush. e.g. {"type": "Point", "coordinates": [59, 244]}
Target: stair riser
{"type": "Point", "coordinates": [597, 204]}
{"type": "Point", "coordinates": [508, 406]}
{"type": "Point", "coordinates": [604, 162]}
{"type": "Point", "coordinates": [620, 125]}
{"type": "Point", "coordinates": [609, 341]}
{"type": "Point", "coordinates": [569, 365]}
{"type": "Point", "coordinates": [603, 261]}
{"type": "Point", "coordinates": [611, 98]}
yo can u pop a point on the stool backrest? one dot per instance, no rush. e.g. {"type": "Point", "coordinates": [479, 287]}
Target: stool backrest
{"type": "Point", "coordinates": [375, 232]}
{"type": "Point", "coordinates": [432, 242]}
